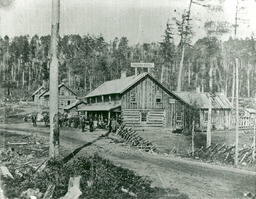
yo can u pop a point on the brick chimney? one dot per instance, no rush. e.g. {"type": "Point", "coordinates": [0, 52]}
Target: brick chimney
{"type": "Point", "coordinates": [198, 89]}
{"type": "Point", "coordinates": [123, 74]}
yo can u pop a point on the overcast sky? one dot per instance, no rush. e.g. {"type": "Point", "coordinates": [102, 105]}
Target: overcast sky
{"type": "Point", "coordinates": [138, 20]}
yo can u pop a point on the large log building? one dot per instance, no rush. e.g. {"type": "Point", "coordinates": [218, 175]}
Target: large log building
{"type": "Point", "coordinates": [142, 101]}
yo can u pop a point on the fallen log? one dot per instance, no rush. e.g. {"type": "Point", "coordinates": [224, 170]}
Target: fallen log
{"type": "Point", "coordinates": [77, 150]}
{"type": "Point", "coordinates": [244, 156]}
{"type": "Point", "coordinates": [49, 192]}
{"type": "Point", "coordinates": [17, 143]}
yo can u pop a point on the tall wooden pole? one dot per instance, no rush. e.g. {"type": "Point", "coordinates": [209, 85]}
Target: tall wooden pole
{"type": "Point", "coordinates": [54, 121]}
{"type": "Point", "coordinates": [237, 115]}
{"type": "Point", "coordinates": [193, 137]}
{"type": "Point", "coordinates": [209, 124]}
{"type": "Point", "coordinates": [254, 140]}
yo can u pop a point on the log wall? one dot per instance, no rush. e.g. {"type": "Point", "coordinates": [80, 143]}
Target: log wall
{"type": "Point", "coordinates": [147, 96]}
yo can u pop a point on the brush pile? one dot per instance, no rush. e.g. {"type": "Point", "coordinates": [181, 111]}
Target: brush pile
{"type": "Point", "coordinates": [131, 137]}
{"type": "Point", "coordinates": [225, 154]}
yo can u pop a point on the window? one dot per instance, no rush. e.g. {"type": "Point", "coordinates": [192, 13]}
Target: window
{"type": "Point", "coordinates": [144, 116]}
{"type": "Point", "coordinates": [171, 101]}
{"type": "Point", "coordinates": [68, 102]}
{"type": "Point", "coordinates": [106, 98]}
{"type": "Point", "coordinates": [62, 92]}
{"type": "Point", "coordinates": [99, 99]}
{"type": "Point", "coordinates": [179, 116]}
{"type": "Point", "coordinates": [206, 116]}
{"type": "Point", "coordinates": [158, 98]}
{"type": "Point", "coordinates": [93, 100]}
{"type": "Point", "coordinates": [61, 103]}
{"type": "Point", "coordinates": [132, 97]}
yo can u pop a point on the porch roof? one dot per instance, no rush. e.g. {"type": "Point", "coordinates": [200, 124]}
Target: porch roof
{"type": "Point", "coordinates": [76, 103]}
{"type": "Point", "coordinates": [100, 107]}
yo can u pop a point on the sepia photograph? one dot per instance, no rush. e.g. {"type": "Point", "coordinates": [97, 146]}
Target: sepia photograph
{"type": "Point", "coordinates": [134, 99]}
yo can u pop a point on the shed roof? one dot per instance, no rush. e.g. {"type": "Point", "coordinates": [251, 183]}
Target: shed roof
{"type": "Point", "coordinates": [116, 86]}
{"type": "Point", "coordinates": [100, 107]}
{"type": "Point", "coordinates": [251, 110]}
{"type": "Point", "coordinates": [219, 101]}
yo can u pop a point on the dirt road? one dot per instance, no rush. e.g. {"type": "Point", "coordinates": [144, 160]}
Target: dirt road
{"type": "Point", "coordinates": [198, 180]}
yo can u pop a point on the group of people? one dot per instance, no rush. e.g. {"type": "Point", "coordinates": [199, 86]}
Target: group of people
{"type": "Point", "coordinates": [79, 121]}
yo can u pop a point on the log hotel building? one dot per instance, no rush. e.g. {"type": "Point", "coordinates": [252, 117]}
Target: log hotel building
{"type": "Point", "coordinates": [142, 101]}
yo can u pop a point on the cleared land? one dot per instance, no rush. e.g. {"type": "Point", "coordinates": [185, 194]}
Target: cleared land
{"type": "Point", "coordinates": [196, 179]}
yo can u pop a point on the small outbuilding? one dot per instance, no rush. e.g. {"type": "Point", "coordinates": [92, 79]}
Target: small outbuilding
{"type": "Point", "coordinates": [37, 93]}
{"type": "Point", "coordinates": [66, 97]}
{"type": "Point", "coordinates": [221, 108]}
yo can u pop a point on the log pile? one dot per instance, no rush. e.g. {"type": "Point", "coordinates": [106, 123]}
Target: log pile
{"type": "Point", "coordinates": [131, 137]}
{"type": "Point", "coordinates": [226, 154]}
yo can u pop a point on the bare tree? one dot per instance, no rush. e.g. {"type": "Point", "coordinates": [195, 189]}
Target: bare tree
{"type": "Point", "coordinates": [54, 121]}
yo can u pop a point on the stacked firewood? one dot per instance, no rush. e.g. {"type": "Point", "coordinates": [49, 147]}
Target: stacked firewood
{"type": "Point", "coordinates": [226, 154]}
{"type": "Point", "coordinates": [134, 139]}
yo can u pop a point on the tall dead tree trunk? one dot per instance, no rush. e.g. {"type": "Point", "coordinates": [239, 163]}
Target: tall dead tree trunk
{"type": "Point", "coordinates": [189, 74]}
{"type": "Point", "coordinates": [181, 68]}
{"type": "Point", "coordinates": [54, 120]}
{"type": "Point", "coordinates": [210, 77]}
{"type": "Point", "coordinates": [248, 81]}
{"type": "Point", "coordinates": [183, 41]}
{"type": "Point", "coordinates": [162, 73]}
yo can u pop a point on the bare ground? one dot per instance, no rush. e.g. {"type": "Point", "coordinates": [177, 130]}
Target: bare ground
{"type": "Point", "coordinates": [198, 180]}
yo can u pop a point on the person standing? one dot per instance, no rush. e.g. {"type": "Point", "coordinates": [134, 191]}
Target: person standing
{"type": "Point", "coordinates": [83, 123]}
{"type": "Point", "coordinates": [91, 124]}
{"type": "Point", "coordinates": [110, 125]}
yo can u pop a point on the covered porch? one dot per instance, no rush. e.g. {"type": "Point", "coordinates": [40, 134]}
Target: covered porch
{"type": "Point", "coordinates": [101, 113]}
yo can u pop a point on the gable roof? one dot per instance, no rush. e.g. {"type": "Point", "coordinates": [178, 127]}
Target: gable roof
{"type": "Point", "coordinates": [42, 94]}
{"type": "Point", "coordinates": [117, 86]}
{"type": "Point", "coordinates": [219, 101]}
{"type": "Point", "coordinates": [42, 87]}
{"type": "Point", "coordinates": [61, 85]}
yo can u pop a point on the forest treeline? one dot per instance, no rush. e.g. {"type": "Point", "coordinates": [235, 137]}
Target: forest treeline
{"type": "Point", "coordinates": [87, 61]}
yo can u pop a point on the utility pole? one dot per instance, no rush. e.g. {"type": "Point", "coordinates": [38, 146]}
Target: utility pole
{"type": "Point", "coordinates": [209, 123]}
{"type": "Point", "coordinates": [54, 106]}
{"type": "Point", "coordinates": [237, 114]}
{"type": "Point", "coordinates": [254, 140]}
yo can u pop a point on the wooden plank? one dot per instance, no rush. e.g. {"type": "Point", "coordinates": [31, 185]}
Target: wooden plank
{"type": "Point", "coordinates": [5, 172]}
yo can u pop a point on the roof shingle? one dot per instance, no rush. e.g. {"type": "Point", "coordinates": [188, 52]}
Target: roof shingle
{"type": "Point", "coordinates": [116, 86]}
{"type": "Point", "coordinates": [201, 100]}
